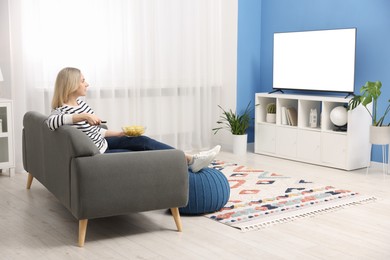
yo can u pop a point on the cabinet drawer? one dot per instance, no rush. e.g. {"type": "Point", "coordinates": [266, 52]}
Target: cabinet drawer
{"type": "Point", "coordinates": [265, 138]}
{"type": "Point", "coordinates": [334, 149]}
{"type": "Point", "coordinates": [309, 146]}
{"type": "Point", "coordinates": [286, 141]}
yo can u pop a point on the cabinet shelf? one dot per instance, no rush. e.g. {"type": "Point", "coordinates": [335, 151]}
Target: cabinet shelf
{"type": "Point", "coordinates": [316, 129]}
{"type": "Point", "coordinates": [335, 132]}
{"type": "Point", "coordinates": [313, 141]}
{"type": "Point", "coordinates": [288, 126]}
{"type": "Point", "coordinates": [3, 135]}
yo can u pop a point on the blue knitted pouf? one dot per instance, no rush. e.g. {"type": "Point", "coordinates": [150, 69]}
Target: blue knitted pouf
{"type": "Point", "coordinates": [209, 191]}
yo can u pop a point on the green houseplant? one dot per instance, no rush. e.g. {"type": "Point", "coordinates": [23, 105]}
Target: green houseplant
{"type": "Point", "coordinates": [271, 108]}
{"type": "Point", "coordinates": [237, 124]}
{"type": "Point", "coordinates": [370, 93]}
{"type": "Point", "coordinates": [234, 122]}
{"type": "Point", "coordinates": [271, 113]}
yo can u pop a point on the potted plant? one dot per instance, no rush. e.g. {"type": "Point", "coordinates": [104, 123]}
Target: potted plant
{"type": "Point", "coordinates": [271, 113]}
{"type": "Point", "coordinates": [237, 124]}
{"type": "Point", "coordinates": [370, 93]}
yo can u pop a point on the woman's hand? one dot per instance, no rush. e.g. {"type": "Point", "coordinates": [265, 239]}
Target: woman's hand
{"type": "Point", "coordinates": [114, 133]}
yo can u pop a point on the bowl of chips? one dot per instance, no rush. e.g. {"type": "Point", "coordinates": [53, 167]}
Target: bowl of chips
{"type": "Point", "coordinates": [134, 130]}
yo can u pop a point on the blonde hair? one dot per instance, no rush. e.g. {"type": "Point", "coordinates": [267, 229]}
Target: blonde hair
{"type": "Point", "coordinates": [67, 82]}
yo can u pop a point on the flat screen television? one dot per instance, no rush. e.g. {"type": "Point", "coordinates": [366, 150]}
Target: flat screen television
{"type": "Point", "coordinates": [322, 60]}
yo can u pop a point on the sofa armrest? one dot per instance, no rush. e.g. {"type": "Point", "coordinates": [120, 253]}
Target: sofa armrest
{"type": "Point", "coordinates": [114, 184]}
{"type": "Point", "coordinates": [47, 154]}
{"type": "Point", "coordinates": [79, 144]}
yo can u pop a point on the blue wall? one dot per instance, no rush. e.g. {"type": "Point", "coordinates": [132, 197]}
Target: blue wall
{"type": "Point", "coordinates": [370, 17]}
{"type": "Point", "coordinates": [248, 55]}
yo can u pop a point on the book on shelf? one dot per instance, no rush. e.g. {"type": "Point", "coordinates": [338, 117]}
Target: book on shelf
{"type": "Point", "coordinates": [284, 116]}
{"type": "Point", "coordinates": [288, 119]}
{"type": "Point", "coordinates": [292, 116]}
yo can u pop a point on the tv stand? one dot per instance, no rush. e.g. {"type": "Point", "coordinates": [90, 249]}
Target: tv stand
{"type": "Point", "coordinates": [350, 94]}
{"type": "Point", "coordinates": [276, 90]}
{"type": "Point", "coordinates": [347, 149]}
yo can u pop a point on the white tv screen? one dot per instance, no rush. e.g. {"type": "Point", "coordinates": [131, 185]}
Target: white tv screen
{"type": "Point", "coordinates": [321, 60]}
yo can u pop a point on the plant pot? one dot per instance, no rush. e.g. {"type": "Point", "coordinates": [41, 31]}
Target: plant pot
{"type": "Point", "coordinates": [380, 134]}
{"type": "Point", "coordinates": [240, 144]}
{"type": "Point", "coordinates": [271, 118]}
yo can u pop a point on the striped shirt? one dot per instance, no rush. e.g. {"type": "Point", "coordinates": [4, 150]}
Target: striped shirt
{"type": "Point", "coordinates": [63, 116]}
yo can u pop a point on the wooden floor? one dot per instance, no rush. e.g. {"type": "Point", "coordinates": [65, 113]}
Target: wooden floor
{"type": "Point", "coordinates": [34, 225]}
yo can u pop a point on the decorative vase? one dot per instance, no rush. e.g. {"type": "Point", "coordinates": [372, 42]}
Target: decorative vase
{"type": "Point", "coordinates": [313, 117]}
{"type": "Point", "coordinates": [380, 134]}
{"type": "Point", "coordinates": [271, 117]}
{"type": "Point", "coordinates": [240, 144]}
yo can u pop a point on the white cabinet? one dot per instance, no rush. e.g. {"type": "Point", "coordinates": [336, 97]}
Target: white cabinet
{"type": "Point", "coordinates": [323, 144]}
{"type": "Point", "coordinates": [7, 157]}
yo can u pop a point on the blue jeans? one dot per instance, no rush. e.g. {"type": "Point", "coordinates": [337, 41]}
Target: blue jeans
{"type": "Point", "coordinates": [117, 144]}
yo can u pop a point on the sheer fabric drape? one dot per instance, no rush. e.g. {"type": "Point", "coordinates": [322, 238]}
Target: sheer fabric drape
{"type": "Point", "coordinates": [148, 62]}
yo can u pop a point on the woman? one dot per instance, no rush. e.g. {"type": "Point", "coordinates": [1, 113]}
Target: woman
{"type": "Point", "coordinates": [69, 109]}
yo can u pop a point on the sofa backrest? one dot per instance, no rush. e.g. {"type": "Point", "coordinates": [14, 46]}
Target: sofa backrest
{"type": "Point", "coordinates": [47, 154]}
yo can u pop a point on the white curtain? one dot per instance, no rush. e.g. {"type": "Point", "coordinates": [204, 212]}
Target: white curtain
{"type": "Point", "coordinates": [155, 63]}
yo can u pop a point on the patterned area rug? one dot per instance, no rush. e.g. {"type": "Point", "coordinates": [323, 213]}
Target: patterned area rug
{"type": "Point", "coordinates": [259, 198]}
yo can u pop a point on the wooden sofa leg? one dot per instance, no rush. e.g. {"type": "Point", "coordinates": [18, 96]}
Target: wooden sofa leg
{"type": "Point", "coordinates": [176, 216]}
{"type": "Point", "coordinates": [82, 231]}
{"type": "Point", "coordinates": [29, 181]}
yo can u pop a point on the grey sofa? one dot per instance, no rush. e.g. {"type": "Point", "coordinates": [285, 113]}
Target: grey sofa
{"type": "Point", "coordinates": [93, 185]}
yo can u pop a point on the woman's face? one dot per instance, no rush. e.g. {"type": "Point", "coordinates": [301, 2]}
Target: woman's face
{"type": "Point", "coordinates": [82, 90]}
